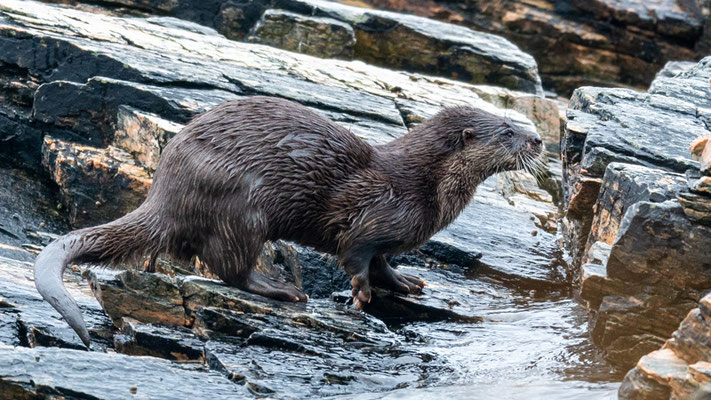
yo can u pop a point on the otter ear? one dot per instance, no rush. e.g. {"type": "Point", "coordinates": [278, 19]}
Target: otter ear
{"type": "Point", "coordinates": [468, 135]}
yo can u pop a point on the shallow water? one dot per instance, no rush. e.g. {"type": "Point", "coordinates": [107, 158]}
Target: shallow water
{"type": "Point", "coordinates": [530, 345]}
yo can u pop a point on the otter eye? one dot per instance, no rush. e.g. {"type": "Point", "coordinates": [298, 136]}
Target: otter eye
{"type": "Point", "coordinates": [468, 134]}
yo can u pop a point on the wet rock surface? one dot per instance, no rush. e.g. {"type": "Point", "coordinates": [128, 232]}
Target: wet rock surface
{"type": "Point", "coordinates": [621, 125]}
{"type": "Point", "coordinates": [581, 42]}
{"type": "Point", "coordinates": [329, 29]}
{"type": "Point", "coordinates": [681, 368]}
{"type": "Point", "coordinates": [317, 36]}
{"type": "Point", "coordinates": [636, 210]}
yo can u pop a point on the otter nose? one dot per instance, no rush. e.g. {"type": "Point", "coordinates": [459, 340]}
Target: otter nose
{"type": "Point", "coordinates": [534, 142]}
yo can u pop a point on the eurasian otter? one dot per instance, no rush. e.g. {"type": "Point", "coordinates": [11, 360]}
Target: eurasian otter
{"type": "Point", "coordinates": [263, 168]}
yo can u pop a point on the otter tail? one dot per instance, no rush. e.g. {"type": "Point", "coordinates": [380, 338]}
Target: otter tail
{"type": "Point", "coordinates": [117, 241]}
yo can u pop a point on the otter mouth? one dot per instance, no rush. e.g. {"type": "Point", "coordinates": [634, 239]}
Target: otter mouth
{"type": "Point", "coordinates": [530, 159]}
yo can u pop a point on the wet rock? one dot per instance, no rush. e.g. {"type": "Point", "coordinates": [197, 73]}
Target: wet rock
{"type": "Point", "coordinates": [389, 39]}
{"type": "Point", "coordinates": [657, 243]}
{"type": "Point", "coordinates": [681, 368]}
{"type": "Point", "coordinates": [82, 104]}
{"type": "Point", "coordinates": [95, 184]}
{"type": "Point", "coordinates": [624, 185]}
{"type": "Point", "coordinates": [51, 372]}
{"type": "Point", "coordinates": [580, 43]}
{"type": "Point", "coordinates": [620, 125]}
{"type": "Point", "coordinates": [673, 68]}
{"type": "Point", "coordinates": [158, 341]}
{"type": "Point", "coordinates": [652, 278]}
{"type": "Point", "coordinates": [143, 135]}
{"type": "Point", "coordinates": [27, 320]}
{"type": "Point", "coordinates": [444, 49]}
{"type": "Point", "coordinates": [643, 268]}
{"type": "Point", "coordinates": [316, 36]}
{"type": "Point", "coordinates": [477, 230]}
{"type": "Point", "coordinates": [246, 333]}
{"type": "Point", "coordinates": [445, 300]}
{"type": "Point", "coordinates": [148, 298]}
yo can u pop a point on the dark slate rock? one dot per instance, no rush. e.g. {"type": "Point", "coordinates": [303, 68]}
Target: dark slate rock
{"type": "Point", "coordinates": [673, 68]}
{"type": "Point", "coordinates": [652, 129]}
{"type": "Point", "coordinates": [389, 39]}
{"type": "Point", "coordinates": [624, 185]}
{"type": "Point", "coordinates": [36, 322]}
{"type": "Point", "coordinates": [511, 249]}
{"type": "Point", "coordinates": [50, 372]}
{"type": "Point", "coordinates": [317, 36]}
{"type": "Point", "coordinates": [657, 244]}
{"type": "Point", "coordinates": [158, 341]}
{"type": "Point", "coordinates": [446, 49]}
{"type": "Point", "coordinates": [447, 300]}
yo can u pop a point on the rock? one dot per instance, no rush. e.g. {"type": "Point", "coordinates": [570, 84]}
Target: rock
{"type": "Point", "coordinates": [46, 372]}
{"type": "Point", "coordinates": [602, 125]}
{"type": "Point", "coordinates": [477, 230]}
{"type": "Point", "coordinates": [446, 302]}
{"type": "Point", "coordinates": [643, 268]}
{"type": "Point", "coordinates": [582, 42]}
{"type": "Point", "coordinates": [319, 331]}
{"type": "Point", "coordinates": [129, 293]}
{"type": "Point", "coordinates": [389, 39]}
{"type": "Point", "coordinates": [681, 369]}
{"type": "Point", "coordinates": [444, 49]}
{"type": "Point", "coordinates": [655, 270]}
{"type": "Point", "coordinates": [158, 341]}
{"type": "Point", "coordinates": [656, 244]}
{"type": "Point", "coordinates": [624, 185]}
{"type": "Point", "coordinates": [143, 135]}
{"type": "Point", "coordinates": [642, 292]}
{"type": "Point", "coordinates": [27, 320]}
{"type": "Point", "coordinates": [697, 208]}
{"type": "Point", "coordinates": [316, 36]}
{"type": "Point", "coordinates": [95, 184]}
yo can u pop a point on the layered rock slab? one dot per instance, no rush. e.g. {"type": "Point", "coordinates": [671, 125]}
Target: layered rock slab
{"type": "Point", "coordinates": [580, 43]}
{"type": "Point", "coordinates": [634, 221]}
{"type": "Point", "coordinates": [367, 98]}
{"type": "Point", "coordinates": [328, 29]}
{"type": "Point", "coordinates": [652, 129]}
{"type": "Point", "coordinates": [682, 368]}
{"type": "Point", "coordinates": [43, 372]}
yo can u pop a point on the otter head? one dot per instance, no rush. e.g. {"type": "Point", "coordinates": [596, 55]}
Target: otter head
{"type": "Point", "coordinates": [490, 143]}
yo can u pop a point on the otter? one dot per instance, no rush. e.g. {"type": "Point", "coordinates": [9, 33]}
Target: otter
{"type": "Point", "coordinates": [264, 168]}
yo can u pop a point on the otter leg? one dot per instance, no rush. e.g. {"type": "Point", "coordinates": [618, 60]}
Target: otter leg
{"type": "Point", "coordinates": [384, 276]}
{"type": "Point", "coordinates": [233, 257]}
{"type": "Point", "coordinates": [356, 264]}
